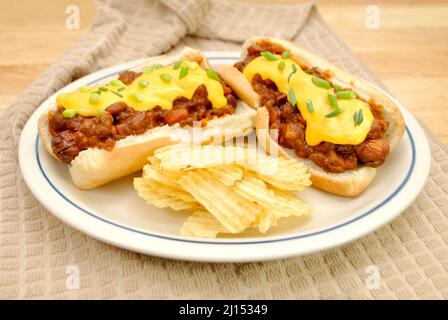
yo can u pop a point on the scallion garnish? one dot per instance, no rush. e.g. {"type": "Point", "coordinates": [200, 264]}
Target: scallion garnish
{"type": "Point", "coordinates": [333, 101]}
{"type": "Point", "coordinates": [117, 93]}
{"type": "Point", "coordinates": [176, 65]}
{"type": "Point", "coordinates": [183, 72]}
{"type": "Point", "coordinates": [334, 113]}
{"type": "Point", "coordinates": [121, 89]}
{"type": "Point", "coordinates": [281, 65]}
{"type": "Point", "coordinates": [143, 84]}
{"type": "Point", "coordinates": [148, 69]}
{"type": "Point", "coordinates": [269, 55]}
{"type": "Point", "coordinates": [285, 54]}
{"type": "Point", "coordinates": [165, 77]}
{"type": "Point", "coordinates": [94, 97]}
{"type": "Point", "coordinates": [337, 87]}
{"type": "Point", "coordinates": [69, 113]}
{"type": "Point", "coordinates": [346, 95]}
{"type": "Point", "coordinates": [358, 117]}
{"type": "Point", "coordinates": [292, 97]}
{"type": "Point", "coordinates": [102, 89]}
{"type": "Point", "coordinates": [294, 70]}
{"type": "Point", "coordinates": [212, 74]}
{"type": "Point", "coordinates": [321, 82]}
{"type": "Point", "coordinates": [117, 83]}
{"type": "Point", "coordinates": [309, 105]}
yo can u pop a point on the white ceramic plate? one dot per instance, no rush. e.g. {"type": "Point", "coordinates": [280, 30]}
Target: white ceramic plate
{"type": "Point", "coordinates": [115, 214]}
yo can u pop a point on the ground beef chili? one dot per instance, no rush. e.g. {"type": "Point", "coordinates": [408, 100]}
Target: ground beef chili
{"type": "Point", "coordinates": [291, 125]}
{"type": "Point", "coordinates": [71, 136]}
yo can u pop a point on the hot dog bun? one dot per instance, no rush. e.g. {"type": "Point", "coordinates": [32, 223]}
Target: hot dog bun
{"type": "Point", "coordinates": [350, 183]}
{"type": "Point", "coordinates": [94, 167]}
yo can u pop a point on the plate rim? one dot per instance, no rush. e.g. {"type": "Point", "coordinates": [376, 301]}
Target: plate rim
{"type": "Point", "coordinates": [224, 55]}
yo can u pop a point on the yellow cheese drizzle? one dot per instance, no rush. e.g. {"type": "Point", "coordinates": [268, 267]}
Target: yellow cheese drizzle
{"type": "Point", "coordinates": [340, 129]}
{"type": "Point", "coordinates": [157, 92]}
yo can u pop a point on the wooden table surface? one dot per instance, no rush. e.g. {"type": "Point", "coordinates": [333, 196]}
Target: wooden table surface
{"type": "Point", "coordinates": [409, 51]}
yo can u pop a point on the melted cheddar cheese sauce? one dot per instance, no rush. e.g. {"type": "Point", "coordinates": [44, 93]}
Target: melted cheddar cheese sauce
{"type": "Point", "coordinates": [158, 87]}
{"type": "Point", "coordinates": [340, 129]}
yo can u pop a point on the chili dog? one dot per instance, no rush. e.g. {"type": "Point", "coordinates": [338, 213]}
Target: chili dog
{"type": "Point", "coordinates": [340, 126]}
{"type": "Point", "coordinates": [106, 131]}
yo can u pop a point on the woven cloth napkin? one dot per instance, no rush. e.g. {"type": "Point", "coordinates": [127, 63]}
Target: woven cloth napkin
{"type": "Point", "coordinates": [36, 248]}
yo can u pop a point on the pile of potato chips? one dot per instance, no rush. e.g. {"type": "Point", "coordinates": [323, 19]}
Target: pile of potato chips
{"type": "Point", "coordinates": [226, 189]}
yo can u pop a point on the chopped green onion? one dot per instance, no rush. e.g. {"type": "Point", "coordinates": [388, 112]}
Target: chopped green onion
{"type": "Point", "coordinates": [152, 68]}
{"type": "Point", "coordinates": [294, 70]}
{"type": "Point", "coordinates": [269, 55]}
{"type": "Point", "coordinates": [312, 70]}
{"type": "Point", "coordinates": [117, 93]}
{"type": "Point", "coordinates": [137, 97]}
{"type": "Point", "coordinates": [337, 87]}
{"type": "Point", "coordinates": [212, 74]}
{"type": "Point", "coordinates": [102, 89]}
{"type": "Point", "coordinates": [94, 97]}
{"type": "Point", "coordinates": [143, 84]}
{"type": "Point", "coordinates": [165, 77]}
{"type": "Point", "coordinates": [285, 54]}
{"type": "Point", "coordinates": [346, 95]}
{"type": "Point", "coordinates": [309, 105]}
{"type": "Point", "coordinates": [334, 113]}
{"type": "Point", "coordinates": [358, 117]}
{"type": "Point", "coordinates": [148, 69]}
{"type": "Point", "coordinates": [281, 65]}
{"type": "Point", "coordinates": [117, 83]}
{"type": "Point", "coordinates": [121, 89]}
{"type": "Point", "coordinates": [321, 82]}
{"type": "Point", "coordinates": [84, 89]}
{"type": "Point", "coordinates": [183, 72]}
{"type": "Point", "coordinates": [292, 97]}
{"type": "Point", "coordinates": [333, 101]}
{"type": "Point", "coordinates": [176, 65]}
{"type": "Point", "coordinates": [69, 113]}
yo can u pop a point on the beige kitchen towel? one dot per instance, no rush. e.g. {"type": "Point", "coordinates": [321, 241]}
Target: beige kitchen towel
{"type": "Point", "coordinates": [36, 248]}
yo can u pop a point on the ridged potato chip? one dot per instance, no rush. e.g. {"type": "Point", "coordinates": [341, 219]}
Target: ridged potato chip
{"type": "Point", "coordinates": [286, 174]}
{"type": "Point", "coordinates": [228, 189]}
{"type": "Point", "coordinates": [202, 224]}
{"type": "Point", "coordinates": [154, 173]}
{"type": "Point", "coordinates": [283, 203]}
{"type": "Point", "coordinates": [154, 197]}
{"type": "Point", "coordinates": [226, 174]}
{"type": "Point", "coordinates": [228, 207]}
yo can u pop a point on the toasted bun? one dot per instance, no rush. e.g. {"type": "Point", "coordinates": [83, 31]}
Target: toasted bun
{"type": "Point", "coordinates": [350, 183]}
{"type": "Point", "coordinates": [94, 167]}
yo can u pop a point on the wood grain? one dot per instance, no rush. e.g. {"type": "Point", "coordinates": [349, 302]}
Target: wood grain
{"type": "Point", "coordinates": [408, 52]}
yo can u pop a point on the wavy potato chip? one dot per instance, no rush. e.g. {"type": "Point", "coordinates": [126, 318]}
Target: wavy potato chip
{"type": "Point", "coordinates": [154, 197]}
{"type": "Point", "coordinates": [154, 173]}
{"type": "Point", "coordinates": [227, 206]}
{"type": "Point", "coordinates": [282, 203]}
{"type": "Point", "coordinates": [226, 174]}
{"type": "Point", "coordinates": [286, 174]}
{"type": "Point", "coordinates": [202, 224]}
